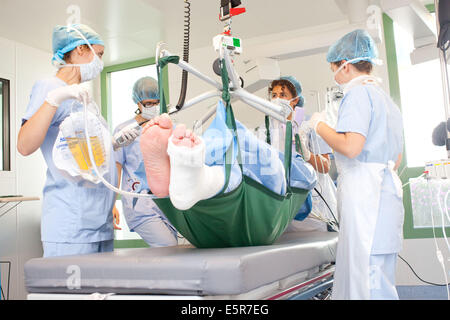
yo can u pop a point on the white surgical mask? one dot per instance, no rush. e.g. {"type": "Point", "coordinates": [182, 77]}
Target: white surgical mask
{"type": "Point", "coordinates": [285, 104]}
{"type": "Point", "coordinates": [342, 85]}
{"type": "Point", "coordinates": [91, 70]}
{"type": "Point", "coordinates": [150, 112]}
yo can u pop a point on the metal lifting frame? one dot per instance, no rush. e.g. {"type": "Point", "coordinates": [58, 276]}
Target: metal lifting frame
{"type": "Point", "coordinates": [236, 92]}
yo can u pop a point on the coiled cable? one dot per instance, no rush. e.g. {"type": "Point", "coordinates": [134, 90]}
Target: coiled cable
{"type": "Point", "coordinates": [187, 32]}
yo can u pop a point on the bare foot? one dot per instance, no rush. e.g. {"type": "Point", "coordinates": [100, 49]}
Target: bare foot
{"type": "Point", "coordinates": [183, 137]}
{"type": "Point", "coordinates": [154, 140]}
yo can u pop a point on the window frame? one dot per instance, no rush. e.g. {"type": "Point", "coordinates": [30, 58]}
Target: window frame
{"type": "Point", "coordinates": [6, 124]}
{"type": "Point", "coordinates": [105, 80]}
{"type": "Point", "coordinates": [105, 83]}
{"type": "Point", "coordinates": [409, 232]}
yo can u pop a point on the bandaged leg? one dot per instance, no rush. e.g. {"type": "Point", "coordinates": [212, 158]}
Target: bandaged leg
{"type": "Point", "coordinates": [190, 179]}
{"type": "Point", "coordinates": [154, 139]}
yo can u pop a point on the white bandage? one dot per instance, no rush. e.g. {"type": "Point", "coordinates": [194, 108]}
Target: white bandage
{"type": "Point", "coordinates": [190, 179]}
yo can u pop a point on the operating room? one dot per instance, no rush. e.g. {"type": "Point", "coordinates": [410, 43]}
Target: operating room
{"type": "Point", "coordinates": [238, 150]}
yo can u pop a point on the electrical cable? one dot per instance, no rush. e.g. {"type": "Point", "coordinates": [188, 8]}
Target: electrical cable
{"type": "Point", "coordinates": [9, 279]}
{"type": "Point", "coordinates": [318, 186]}
{"type": "Point", "coordinates": [187, 31]}
{"type": "Point", "coordinates": [335, 220]}
{"type": "Point", "coordinates": [316, 140]}
{"type": "Point", "coordinates": [424, 281]}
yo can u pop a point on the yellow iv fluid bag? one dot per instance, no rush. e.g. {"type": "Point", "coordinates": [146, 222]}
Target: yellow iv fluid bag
{"type": "Point", "coordinates": [70, 152]}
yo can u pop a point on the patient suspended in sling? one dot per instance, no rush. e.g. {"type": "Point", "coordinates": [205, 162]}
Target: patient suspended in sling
{"type": "Point", "coordinates": [227, 187]}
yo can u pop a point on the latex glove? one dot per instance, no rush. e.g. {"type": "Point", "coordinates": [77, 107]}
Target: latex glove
{"type": "Point", "coordinates": [126, 136]}
{"type": "Point", "coordinates": [304, 143]}
{"type": "Point", "coordinates": [59, 95]}
{"type": "Point", "coordinates": [316, 118]}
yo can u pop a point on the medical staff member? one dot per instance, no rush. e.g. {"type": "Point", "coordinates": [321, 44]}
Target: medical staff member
{"type": "Point", "coordinates": [368, 144]}
{"type": "Point", "coordinates": [288, 91]}
{"type": "Point", "coordinates": [75, 220]}
{"type": "Point", "coordinates": [142, 214]}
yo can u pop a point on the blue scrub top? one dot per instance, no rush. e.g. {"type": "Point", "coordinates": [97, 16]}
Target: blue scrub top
{"type": "Point", "coordinates": [136, 210]}
{"type": "Point", "coordinates": [369, 111]}
{"type": "Point", "coordinates": [71, 213]}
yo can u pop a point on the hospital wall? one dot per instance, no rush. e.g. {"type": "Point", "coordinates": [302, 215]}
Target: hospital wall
{"type": "Point", "coordinates": [20, 238]}
{"type": "Point", "coordinates": [20, 228]}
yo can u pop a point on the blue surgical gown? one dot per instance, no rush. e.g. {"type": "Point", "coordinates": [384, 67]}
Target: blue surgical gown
{"type": "Point", "coordinates": [71, 213]}
{"type": "Point", "coordinates": [134, 179]}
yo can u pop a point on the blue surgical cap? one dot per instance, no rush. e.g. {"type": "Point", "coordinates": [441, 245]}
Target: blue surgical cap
{"type": "Point", "coordinates": [357, 45]}
{"type": "Point", "coordinates": [145, 89]}
{"type": "Point", "coordinates": [66, 39]}
{"type": "Point", "coordinates": [298, 89]}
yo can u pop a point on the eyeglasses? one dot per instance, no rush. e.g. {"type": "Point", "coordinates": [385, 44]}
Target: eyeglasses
{"type": "Point", "coordinates": [149, 104]}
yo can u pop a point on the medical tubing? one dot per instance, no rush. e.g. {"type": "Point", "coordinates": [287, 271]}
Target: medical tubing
{"type": "Point", "coordinates": [94, 164]}
{"type": "Point", "coordinates": [315, 215]}
{"type": "Point", "coordinates": [315, 159]}
{"type": "Point", "coordinates": [442, 217]}
{"type": "Point", "coordinates": [446, 208]}
{"type": "Point", "coordinates": [438, 251]}
{"type": "Point", "coordinates": [315, 189]}
{"type": "Point", "coordinates": [401, 172]}
{"type": "Point", "coordinates": [328, 180]}
{"type": "Point", "coordinates": [319, 153]}
{"type": "Point", "coordinates": [187, 29]}
{"type": "Point", "coordinates": [410, 181]}
{"type": "Point", "coordinates": [320, 195]}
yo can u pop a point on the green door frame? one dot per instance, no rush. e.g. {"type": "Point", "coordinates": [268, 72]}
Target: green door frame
{"type": "Point", "coordinates": [409, 232]}
{"type": "Point", "coordinates": [106, 82]}
{"type": "Point", "coordinates": [107, 113]}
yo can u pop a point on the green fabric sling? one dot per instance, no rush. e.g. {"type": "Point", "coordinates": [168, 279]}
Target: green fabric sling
{"type": "Point", "coordinates": [250, 215]}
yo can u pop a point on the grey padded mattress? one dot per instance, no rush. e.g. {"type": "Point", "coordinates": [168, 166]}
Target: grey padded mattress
{"type": "Point", "coordinates": [181, 270]}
